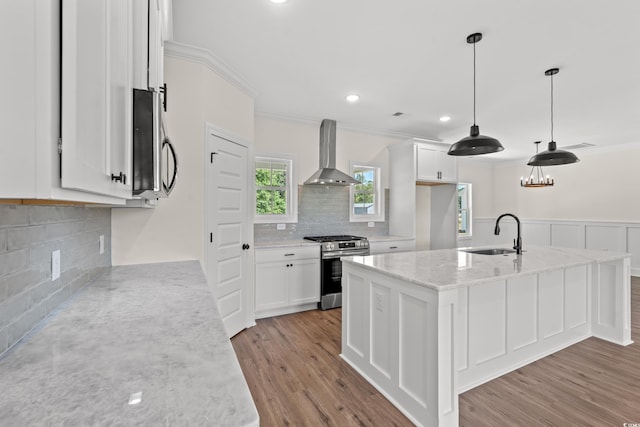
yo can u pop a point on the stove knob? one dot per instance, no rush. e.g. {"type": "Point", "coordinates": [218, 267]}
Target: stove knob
{"type": "Point", "coordinates": [357, 244]}
{"type": "Point", "coordinates": [331, 246]}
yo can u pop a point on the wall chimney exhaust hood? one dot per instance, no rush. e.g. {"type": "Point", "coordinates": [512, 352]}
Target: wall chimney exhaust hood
{"type": "Point", "coordinates": [328, 174]}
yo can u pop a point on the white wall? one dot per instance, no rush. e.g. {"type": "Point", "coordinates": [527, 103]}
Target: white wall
{"type": "Point", "coordinates": [598, 188]}
{"type": "Point", "coordinates": [174, 230]}
{"type": "Point", "coordinates": [479, 173]}
{"type": "Point", "coordinates": [278, 136]}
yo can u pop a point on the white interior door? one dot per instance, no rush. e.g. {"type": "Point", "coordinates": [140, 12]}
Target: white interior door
{"type": "Point", "coordinates": [227, 254]}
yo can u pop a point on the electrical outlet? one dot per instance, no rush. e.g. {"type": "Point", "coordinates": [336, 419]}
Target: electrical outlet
{"type": "Point", "coordinates": [281, 227]}
{"type": "Point", "coordinates": [371, 224]}
{"type": "Point", "coordinates": [55, 265]}
{"type": "Point", "coordinates": [101, 244]}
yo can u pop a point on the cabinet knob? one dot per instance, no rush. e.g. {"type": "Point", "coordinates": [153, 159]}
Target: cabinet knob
{"type": "Point", "coordinates": [245, 246]}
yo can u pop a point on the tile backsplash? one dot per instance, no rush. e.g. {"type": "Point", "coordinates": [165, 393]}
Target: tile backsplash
{"type": "Point", "coordinates": [322, 210]}
{"type": "Point", "coordinates": [28, 236]}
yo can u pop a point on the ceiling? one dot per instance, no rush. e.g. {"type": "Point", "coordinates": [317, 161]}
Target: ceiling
{"type": "Point", "coordinates": [411, 56]}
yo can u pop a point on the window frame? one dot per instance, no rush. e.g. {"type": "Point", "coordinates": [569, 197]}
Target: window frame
{"type": "Point", "coordinates": [379, 216]}
{"type": "Point", "coordinates": [469, 209]}
{"type": "Point", "coordinates": [290, 188]}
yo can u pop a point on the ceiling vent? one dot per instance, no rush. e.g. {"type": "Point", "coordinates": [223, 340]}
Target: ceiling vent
{"type": "Point", "coordinates": [577, 146]}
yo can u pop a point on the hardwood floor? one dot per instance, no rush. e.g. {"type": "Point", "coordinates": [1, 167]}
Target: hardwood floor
{"type": "Point", "coordinates": [297, 378]}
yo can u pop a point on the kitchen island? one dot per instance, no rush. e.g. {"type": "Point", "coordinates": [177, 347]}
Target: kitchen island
{"type": "Point", "coordinates": [425, 326]}
{"type": "Point", "coordinates": [142, 345]}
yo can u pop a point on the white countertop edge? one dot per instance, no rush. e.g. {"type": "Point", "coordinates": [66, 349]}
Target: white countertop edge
{"type": "Point", "coordinates": [603, 256]}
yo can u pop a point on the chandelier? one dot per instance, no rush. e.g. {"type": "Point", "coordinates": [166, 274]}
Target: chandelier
{"type": "Point", "coordinates": [536, 178]}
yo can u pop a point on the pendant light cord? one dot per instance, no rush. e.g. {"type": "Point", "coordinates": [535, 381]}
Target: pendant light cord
{"type": "Point", "coordinates": [551, 107]}
{"type": "Point", "coordinates": [474, 83]}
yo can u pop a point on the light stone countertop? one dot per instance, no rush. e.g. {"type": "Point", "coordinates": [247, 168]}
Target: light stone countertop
{"type": "Point", "coordinates": [274, 244]}
{"type": "Point", "coordinates": [388, 238]}
{"type": "Point", "coordinates": [450, 268]}
{"type": "Point", "coordinates": [151, 328]}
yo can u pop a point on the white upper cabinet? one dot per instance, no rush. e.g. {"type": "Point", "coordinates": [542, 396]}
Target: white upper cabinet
{"type": "Point", "coordinates": [156, 45]}
{"type": "Point", "coordinates": [97, 73]}
{"type": "Point", "coordinates": [30, 104]}
{"type": "Point", "coordinates": [149, 34]}
{"type": "Point", "coordinates": [435, 165]}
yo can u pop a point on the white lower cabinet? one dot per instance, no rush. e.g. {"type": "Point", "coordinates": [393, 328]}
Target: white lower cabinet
{"type": "Point", "coordinates": [287, 280]}
{"type": "Point", "coordinates": [386, 246]}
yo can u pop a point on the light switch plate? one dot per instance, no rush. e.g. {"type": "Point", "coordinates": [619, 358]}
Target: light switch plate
{"type": "Point", "coordinates": [101, 244]}
{"type": "Point", "coordinates": [55, 265]}
{"type": "Point", "coordinates": [281, 227]}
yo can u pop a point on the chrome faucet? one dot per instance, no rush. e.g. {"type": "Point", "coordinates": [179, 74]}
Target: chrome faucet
{"type": "Point", "coordinates": [517, 243]}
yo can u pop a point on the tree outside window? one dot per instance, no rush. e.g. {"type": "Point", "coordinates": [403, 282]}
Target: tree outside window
{"type": "Point", "coordinates": [367, 202]}
{"type": "Point", "coordinates": [275, 200]}
{"type": "Point", "coordinates": [364, 193]}
{"type": "Point", "coordinates": [464, 210]}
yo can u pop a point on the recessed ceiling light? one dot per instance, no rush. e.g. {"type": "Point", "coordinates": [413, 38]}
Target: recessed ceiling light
{"type": "Point", "coordinates": [278, 1]}
{"type": "Point", "coordinates": [445, 118]}
{"type": "Point", "coordinates": [353, 97]}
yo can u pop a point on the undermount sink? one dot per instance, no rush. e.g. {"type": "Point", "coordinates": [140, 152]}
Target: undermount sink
{"type": "Point", "coordinates": [490, 251]}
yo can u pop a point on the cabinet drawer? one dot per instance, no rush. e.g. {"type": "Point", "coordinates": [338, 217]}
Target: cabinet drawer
{"type": "Point", "coordinates": [290, 253]}
{"type": "Point", "coordinates": [391, 246]}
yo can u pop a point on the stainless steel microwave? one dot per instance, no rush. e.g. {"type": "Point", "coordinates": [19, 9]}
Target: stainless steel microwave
{"type": "Point", "coordinates": [155, 164]}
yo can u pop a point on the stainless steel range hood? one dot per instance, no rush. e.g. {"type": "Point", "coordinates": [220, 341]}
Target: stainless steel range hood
{"type": "Point", "coordinates": [328, 174]}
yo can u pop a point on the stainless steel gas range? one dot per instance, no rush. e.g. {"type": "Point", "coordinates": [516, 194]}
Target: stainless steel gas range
{"type": "Point", "coordinates": [332, 248]}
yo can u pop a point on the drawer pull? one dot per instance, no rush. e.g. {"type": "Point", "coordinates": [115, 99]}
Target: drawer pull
{"type": "Point", "coordinates": [393, 247]}
{"type": "Point", "coordinates": [289, 254]}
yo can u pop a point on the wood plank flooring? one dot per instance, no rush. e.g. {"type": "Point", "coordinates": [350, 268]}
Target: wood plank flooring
{"type": "Point", "coordinates": [297, 378]}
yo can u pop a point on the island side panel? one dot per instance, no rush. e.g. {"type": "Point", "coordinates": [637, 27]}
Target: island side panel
{"type": "Point", "coordinates": [399, 336]}
{"type": "Point", "coordinates": [612, 301]}
{"type": "Point", "coordinates": [506, 324]}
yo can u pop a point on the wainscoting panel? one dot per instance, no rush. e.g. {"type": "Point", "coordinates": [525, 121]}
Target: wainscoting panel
{"type": "Point", "coordinates": [611, 235]}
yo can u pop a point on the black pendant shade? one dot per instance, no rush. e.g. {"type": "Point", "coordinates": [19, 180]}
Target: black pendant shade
{"type": "Point", "coordinates": [475, 144]}
{"type": "Point", "coordinates": [553, 157]}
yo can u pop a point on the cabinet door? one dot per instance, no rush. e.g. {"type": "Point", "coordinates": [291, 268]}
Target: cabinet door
{"type": "Point", "coordinates": [304, 281]}
{"type": "Point", "coordinates": [448, 167]}
{"type": "Point", "coordinates": [271, 285]}
{"type": "Point", "coordinates": [156, 45]}
{"type": "Point", "coordinates": [427, 167]}
{"type": "Point", "coordinates": [96, 96]}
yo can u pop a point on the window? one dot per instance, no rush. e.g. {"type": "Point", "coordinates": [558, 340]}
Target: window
{"type": "Point", "coordinates": [275, 199]}
{"type": "Point", "coordinates": [366, 197]}
{"type": "Point", "coordinates": [464, 210]}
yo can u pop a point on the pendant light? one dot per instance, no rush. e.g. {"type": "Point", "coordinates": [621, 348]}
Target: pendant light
{"type": "Point", "coordinates": [475, 144]}
{"type": "Point", "coordinates": [552, 156]}
{"type": "Point", "coordinates": [536, 178]}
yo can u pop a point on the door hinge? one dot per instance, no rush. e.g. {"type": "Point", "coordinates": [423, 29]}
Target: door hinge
{"type": "Point", "coordinates": [59, 145]}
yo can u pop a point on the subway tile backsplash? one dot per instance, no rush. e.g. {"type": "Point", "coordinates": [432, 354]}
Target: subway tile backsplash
{"type": "Point", "coordinates": [28, 236]}
{"type": "Point", "coordinates": [322, 210]}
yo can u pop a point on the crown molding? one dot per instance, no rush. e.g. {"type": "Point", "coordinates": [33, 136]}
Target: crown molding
{"type": "Point", "coordinates": [342, 125]}
{"type": "Point", "coordinates": [205, 57]}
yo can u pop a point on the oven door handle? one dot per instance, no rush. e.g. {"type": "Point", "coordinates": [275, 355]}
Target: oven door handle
{"type": "Point", "coordinates": [341, 254]}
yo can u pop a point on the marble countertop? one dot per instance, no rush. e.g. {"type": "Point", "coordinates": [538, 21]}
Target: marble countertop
{"type": "Point", "coordinates": [301, 242]}
{"type": "Point", "coordinates": [152, 329]}
{"type": "Point", "coordinates": [387, 238]}
{"type": "Point", "coordinates": [450, 268]}
{"type": "Point", "coordinates": [273, 244]}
